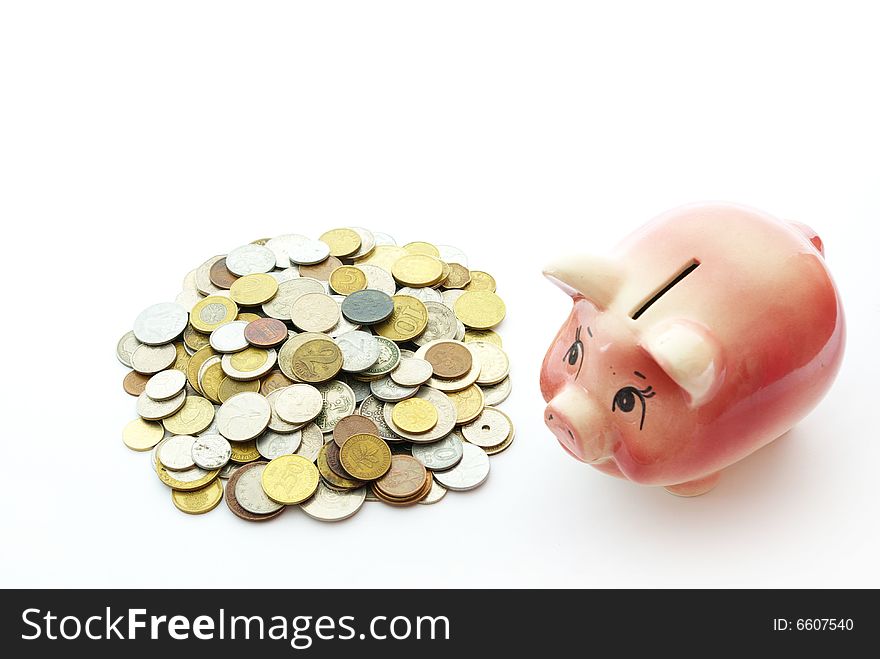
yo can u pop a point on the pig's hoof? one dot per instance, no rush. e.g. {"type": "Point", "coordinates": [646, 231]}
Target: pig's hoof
{"type": "Point", "coordinates": [696, 487]}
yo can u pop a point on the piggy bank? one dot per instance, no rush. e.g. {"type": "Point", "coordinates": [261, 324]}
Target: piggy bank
{"type": "Point", "coordinates": [706, 334]}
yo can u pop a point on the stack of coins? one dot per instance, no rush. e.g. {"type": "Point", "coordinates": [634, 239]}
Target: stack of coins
{"type": "Point", "coordinates": [321, 374]}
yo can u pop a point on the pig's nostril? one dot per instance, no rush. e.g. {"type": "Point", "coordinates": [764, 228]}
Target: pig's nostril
{"type": "Point", "coordinates": [570, 435]}
{"type": "Point", "coordinates": [550, 417]}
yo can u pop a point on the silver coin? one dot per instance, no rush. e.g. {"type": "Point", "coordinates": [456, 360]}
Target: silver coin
{"type": "Point", "coordinates": [203, 278]}
{"type": "Point", "coordinates": [279, 307]}
{"type": "Point", "coordinates": [360, 350]}
{"type": "Point", "coordinates": [360, 388]}
{"type": "Point", "coordinates": [378, 279]}
{"type": "Point", "coordinates": [315, 312]}
{"type": "Point", "coordinates": [442, 324]}
{"type": "Point", "coordinates": [343, 326]}
{"type": "Point", "coordinates": [338, 402]}
{"type": "Point", "coordinates": [188, 475]}
{"type": "Point", "coordinates": [250, 259]}
{"type": "Point", "coordinates": [388, 390]}
{"type": "Point", "coordinates": [229, 337]}
{"type": "Point", "coordinates": [368, 242]}
{"type": "Point", "coordinates": [389, 358]}
{"type": "Point", "coordinates": [188, 299]}
{"type": "Point", "coordinates": [149, 359]}
{"type": "Point", "coordinates": [280, 246]}
{"type": "Point", "coordinates": [446, 416]}
{"type": "Point", "coordinates": [312, 441]}
{"type": "Point", "coordinates": [496, 394]}
{"type": "Point", "coordinates": [250, 495]}
{"type": "Point", "coordinates": [274, 444]}
{"type": "Point", "coordinates": [383, 238]}
{"type": "Point", "coordinates": [243, 416]}
{"type": "Point", "coordinates": [489, 429]}
{"type": "Point", "coordinates": [451, 254]}
{"type": "Point", "coordinates": [165, 384]}
{"type": "Point", "coordinates": [282, 276]}
{"type": "Point", "coordinates": [436, 493]}
{"type": "Point", "coordinates": [373, 409]}
{"type": "Point", "coordinates": [308, 252]}
{"type": "Point", "coordinates": [370, 496]}
{"type": "Point", "coordinates": [127, 345]}
{"type": "Point", "coordinates": [208, 363]}
{"type": "Point", "coordinates": [176, 453]}
{"type": "Point", "coordinates": [494, 363]}
{"type": "Point", "coordinates": [211, 451]}
{"type": "Point", "coordinates": [412, 372]}
{"type": "Point", "coordinates": [471, 472]}
{"type": "Point", "coordinates": [153, 410]}
{"type": "Point", "coordinates": [449, 297]}
{"type": "Point", "coordinates": [367, 307]}
{"type": "Point", "coordinates": [160, 323]}
{"type": "Point", "coordinates": [298, 403]}
{"type": "Point", "coordinates": [329, 505]}
{"type": "Point", "coordinates": [236, 374]}
{"type": "Point", "coordinates": [189, 281]}
{"type": "Point", "coordinates": [276, 423]}
{"type": "Point", "coordinates": [228, 469]}
{"type": "Point", "coordinates": [212, 429]}
{"type": "Point", "coordinates": [440, 455]}
{"type": "Point", "coordinates": [459, 334]}
{"type": "Point", "coordinates": [424, 294]}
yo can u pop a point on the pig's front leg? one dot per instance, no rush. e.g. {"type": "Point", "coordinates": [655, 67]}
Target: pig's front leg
{"type": "Point", "coordinates": [696, 487]}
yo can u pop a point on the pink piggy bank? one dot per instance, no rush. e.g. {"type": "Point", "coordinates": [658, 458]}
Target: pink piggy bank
{"type": "Point", "coordinates": [710, 332]}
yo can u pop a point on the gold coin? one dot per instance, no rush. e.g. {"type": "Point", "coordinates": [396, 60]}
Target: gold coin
{"type": "Point", "coordinates": [194, 339]}
{"type": "Point", "coordinates": [140, 435]}
{"type": "Point", "coordinates": [251, 290]}
{"type": "Point", "coordinates": [419, 247]}
{"type": "Point", "coordinates": [414, 415]}
{"type": "Point", "coordinates": [331, 476]}
{"type": "Point", "coordinates": [417, 270]}
{"type": "Point", "coordinates": [212, 312]}
{"type": "Point", "coordinates": [383, 256]}
{"type": "Point", "coordinates": [168, 478]}
{"type": "Point", "coordinates": [365, 456]}
{"type": "Point", "coordinates": [285, 354]}
{"type": "Point", "coordinates": [458, 277]}
{"type": "Point", "coordinates": [347, 279]}
{"type": "Point", "coordinates": [248, 317]}
{"type": "Point", "coordinates": [244, 451]}
{"type": "Point", "coordinates": [229, 387]}
{"type": "Point", "coordinates": [202, 500]}
{"type": "Point", "coordinates": [275, 380]}
{"type": "Point", "coordinates": [469, 403]}
{"type": "Point", "coordinates": [248, 360]}
{"type": "Point", "coordinates": [290, 479]}
{"type": "Point", "coordinates": [342, 242]}
{"type": "Point", "coordinates": [317, 360]}
{"type": "Point", "coordinates": [182, 358]}
{"type": "Point", "coordinates": [195, 415]}
{"type": "Point", "coordinates": [481, 281]}
{"type": "Point", "coordinates": [479, 309]}
{"type": "Point", "coordinates": [488, 336]}
{"type": "Point", "coordinates": [447, 270]}
{"type": "Point", "coordinates": [210, 376]}
{"type": "Point", "coordinates": [407, 321]}
{"type": "Point", "coordinates": [195, 364]}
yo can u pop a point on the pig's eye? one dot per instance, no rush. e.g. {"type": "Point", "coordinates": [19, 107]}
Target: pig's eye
{"type": "Point", "coordinates": [626, 398]}
{"type": "Point", "coordinates": [575, 353]}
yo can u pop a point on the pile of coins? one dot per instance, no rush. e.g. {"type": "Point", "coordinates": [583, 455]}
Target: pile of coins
{"type": "Point", "coordinates": [321, 374]}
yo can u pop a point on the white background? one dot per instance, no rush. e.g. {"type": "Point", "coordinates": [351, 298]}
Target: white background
{"type": "Point", "coordinates": [138, 139]}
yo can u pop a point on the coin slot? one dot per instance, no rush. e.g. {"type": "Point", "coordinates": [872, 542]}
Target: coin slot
{"type": "Point", "coordinates": [688, 269]}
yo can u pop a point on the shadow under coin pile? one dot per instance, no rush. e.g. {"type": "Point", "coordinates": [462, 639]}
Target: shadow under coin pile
{"type": "Point", "coordinates": [321, 374]}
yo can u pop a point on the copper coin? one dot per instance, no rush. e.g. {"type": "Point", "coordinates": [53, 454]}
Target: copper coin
{"type": "Point", "coordinates": [220, 275]}
{"type": "Point", "coordinates": [405, 478]}
{"type": "Point", "coordinates": [265, 332]}
{"type": "Point", "coordinates": [450, 359]}
{"type": "Point", "coordinates": [134, 383]}
{"type": "Point", "coordinates": [333, 461]}
{"type": "Point", "coordinates": [405, 501]}
{"type": "Point", "coordinates": [233, 504]}
{"type": "Point", "coordinates": [320, 271]}
{"type": "Point", "coordinates": [273, 381]}
{"type": "Point", "coordinates": [353, 424]}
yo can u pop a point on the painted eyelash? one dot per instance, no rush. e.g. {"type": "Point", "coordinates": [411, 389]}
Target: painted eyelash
{"type": "Point", "coordinates": [579, 345]}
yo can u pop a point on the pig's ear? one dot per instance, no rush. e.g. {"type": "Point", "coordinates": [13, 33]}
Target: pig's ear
{"type": "Point", "coordinates": [689, 355]}
{"type": "Point", "coordinates": [592, 277]}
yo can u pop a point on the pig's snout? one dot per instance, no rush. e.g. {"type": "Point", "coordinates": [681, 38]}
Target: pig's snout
{"type": "Point", "coordinates": [579, 424]}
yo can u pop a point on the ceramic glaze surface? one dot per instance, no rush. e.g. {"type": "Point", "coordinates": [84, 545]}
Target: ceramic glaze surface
{"type": "Point", "coordinates": [705, 335]}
